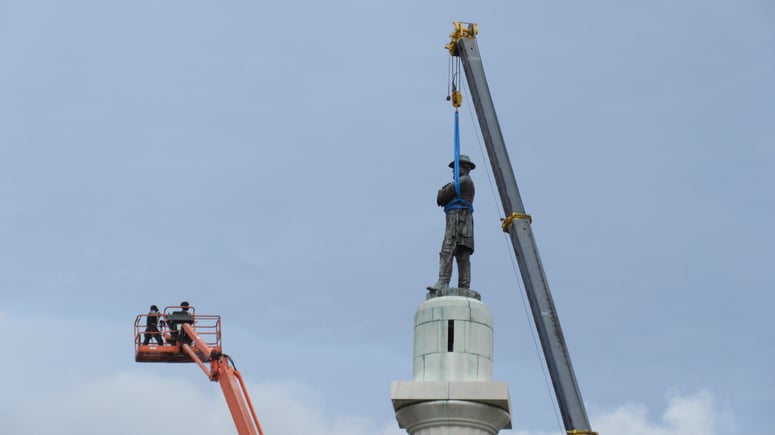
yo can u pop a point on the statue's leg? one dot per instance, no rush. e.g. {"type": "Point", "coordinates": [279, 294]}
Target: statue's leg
{"type": "Point", "coordinates": [445, 266]}
{"type": "Point", "coordinates": [445, 271]}
{"type": "Point", "coordinates": [445, 262]}
{"type": "Point", "coordinates": [463, 256]}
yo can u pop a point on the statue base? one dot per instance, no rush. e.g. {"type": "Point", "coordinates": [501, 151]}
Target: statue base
{"type": "Point", "coordinates": [453, 291]}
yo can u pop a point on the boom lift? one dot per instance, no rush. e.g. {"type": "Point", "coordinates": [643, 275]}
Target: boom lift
{"type": "Point", "coordinates": [197, 338]}
{"type": "Point", "coordinates": [463, 45]}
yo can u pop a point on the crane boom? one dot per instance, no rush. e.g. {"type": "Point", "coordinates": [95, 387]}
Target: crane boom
{"type": "Point", "coordinates": [517, 224]}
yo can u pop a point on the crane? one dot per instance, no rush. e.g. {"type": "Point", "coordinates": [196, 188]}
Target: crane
{"type": "Point", "coordinates": [190, 337]}
{"type": "Point", "coordinates": [517, 224]}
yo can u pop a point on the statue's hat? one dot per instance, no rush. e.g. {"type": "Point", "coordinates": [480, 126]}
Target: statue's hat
{"type": "Point", "coordinates": [464, 161]}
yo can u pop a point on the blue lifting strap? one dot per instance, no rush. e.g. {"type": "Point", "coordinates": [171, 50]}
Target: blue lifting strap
{"type": "Point", "coordinates": [457, 155]}
{"type": "Point", "coordinates": [458, 202]}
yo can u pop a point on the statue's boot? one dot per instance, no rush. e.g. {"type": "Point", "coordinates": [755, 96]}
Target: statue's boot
{"type": "Point", "coordinates": [445, 271]}
{"type": "Point", "coordinates": [440, 285]}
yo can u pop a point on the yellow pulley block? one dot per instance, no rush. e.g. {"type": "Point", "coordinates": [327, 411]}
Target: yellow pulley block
{"type": "Point", "coordinates": [457, 99]}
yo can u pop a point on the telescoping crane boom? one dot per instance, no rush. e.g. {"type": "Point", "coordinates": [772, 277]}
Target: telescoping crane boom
{"type": "Point", "coordinates": [517, 223]}
{"type": "Point", "coordinates": [180, 341]}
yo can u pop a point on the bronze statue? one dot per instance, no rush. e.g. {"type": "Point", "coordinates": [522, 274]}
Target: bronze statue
{"type": "Point", "coordinates": [459, 231]}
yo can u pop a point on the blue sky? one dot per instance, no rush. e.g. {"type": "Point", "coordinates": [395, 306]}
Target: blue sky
{"type": "Point", "coordinates": [277, 164]}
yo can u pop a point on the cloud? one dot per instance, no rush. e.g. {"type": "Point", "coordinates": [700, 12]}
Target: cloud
{"type": "Point", "coordinates": [61, 386]}
{"type": "Point", "coordinates": [694, 414]}
{"type": "Point", "coordinates": [81, 379]}
{"type": "Point", "coordinates": [135, 402]}
{"type": "Point", "coordinates": [130, 403]}
{"type": "Point", "coordinates": [294, 408]}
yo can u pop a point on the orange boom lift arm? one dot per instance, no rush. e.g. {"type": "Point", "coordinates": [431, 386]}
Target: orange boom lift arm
{"type": "Point", "coordinates": [231, 383]}
{"type": "Point", "coordinates": [181, 342]}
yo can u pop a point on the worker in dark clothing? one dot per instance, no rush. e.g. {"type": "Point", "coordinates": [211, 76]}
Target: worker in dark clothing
{"type": "Point", "coordinates": [458, 240]}
{"type": "Point", "coordinates": [152, 327]}
{"type": "Point", "coordinates": [175, 322]}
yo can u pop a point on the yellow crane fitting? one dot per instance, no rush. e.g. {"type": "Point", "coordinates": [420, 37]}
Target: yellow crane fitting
{"type": "Point", "coordinates": [459, 33]}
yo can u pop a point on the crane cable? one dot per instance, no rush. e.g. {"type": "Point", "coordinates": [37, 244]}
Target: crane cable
{"type": "Point", "coordinates": [456, 98]}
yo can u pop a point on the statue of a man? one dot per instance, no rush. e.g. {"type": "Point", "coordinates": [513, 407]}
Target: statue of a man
{"type": "Point", "coordinates": [459, 231]}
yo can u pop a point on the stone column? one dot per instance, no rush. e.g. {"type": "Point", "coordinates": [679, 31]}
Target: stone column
{"type": "Point", "coordinates": [452, 391]}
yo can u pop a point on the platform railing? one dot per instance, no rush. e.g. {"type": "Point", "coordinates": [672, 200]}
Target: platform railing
{"type": "Point", "coordinates": [207, 326]}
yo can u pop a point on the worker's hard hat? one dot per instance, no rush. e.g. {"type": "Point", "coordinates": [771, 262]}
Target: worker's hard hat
{"type": "Point", "coordinates": [184, 304]}
{"type": "Point", "coordinates": [464, 161]}
{"type": "Point", "coordinates": [154, 308]}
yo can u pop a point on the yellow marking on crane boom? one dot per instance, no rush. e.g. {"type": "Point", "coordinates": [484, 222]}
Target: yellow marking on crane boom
{"type": "Point", "coordinates": [506, 222]}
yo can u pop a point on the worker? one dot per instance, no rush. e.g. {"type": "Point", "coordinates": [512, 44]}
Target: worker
{"type": "Point", "coordinates": [459, 231]}
{"type": "Point", "coordinates": [152, 327]}
{"type": "Point", "coordinates": [175, 322]}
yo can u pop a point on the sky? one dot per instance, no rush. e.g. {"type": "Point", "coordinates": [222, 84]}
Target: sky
{"type": "Point", "coordinates": [276, 163]}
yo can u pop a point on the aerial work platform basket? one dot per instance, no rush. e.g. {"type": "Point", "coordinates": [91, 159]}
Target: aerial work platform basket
{"type": "Point", "coordinates": [180, 335]}
{"type": "Point", "coordinates": [148, 348]}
